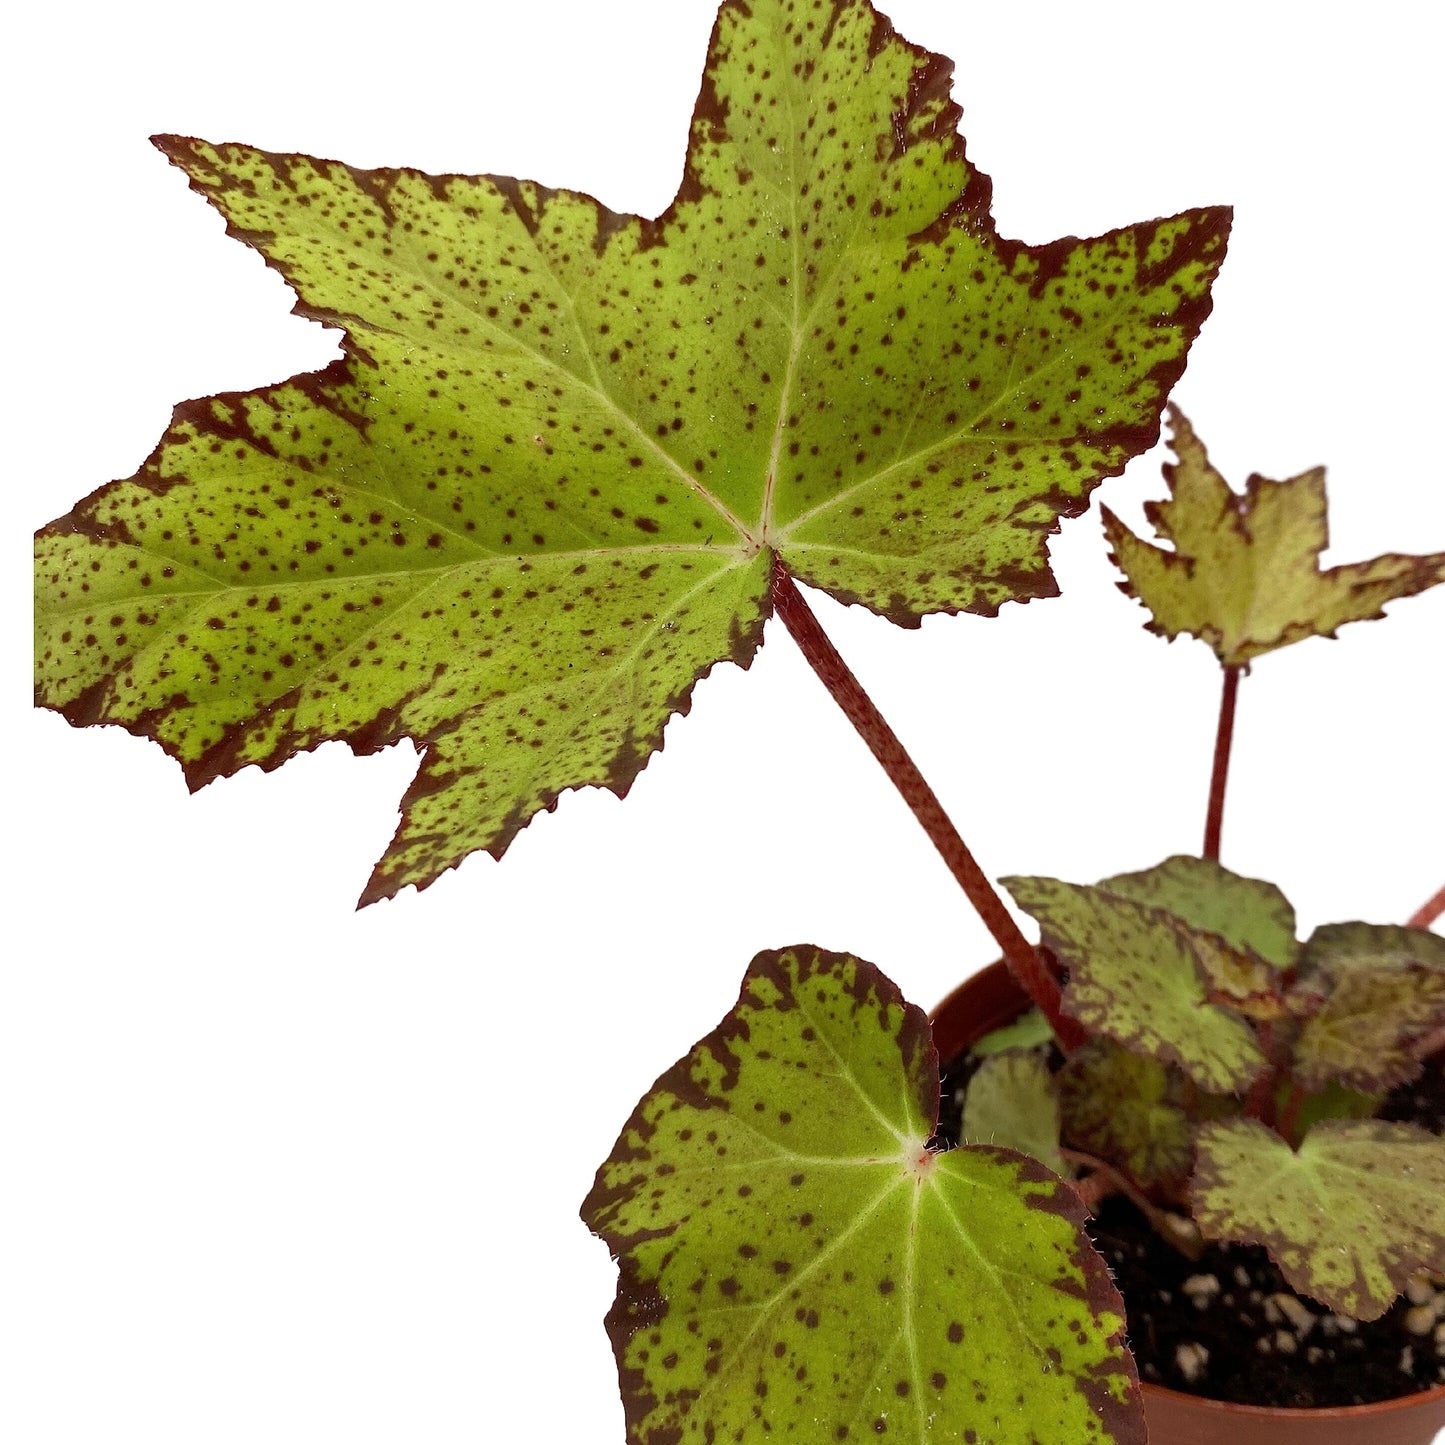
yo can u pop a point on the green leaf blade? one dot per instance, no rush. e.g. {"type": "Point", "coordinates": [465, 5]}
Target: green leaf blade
{"type": "Point", "coordinates": [1364, 1034]}
{"type": "Point", "coordinates": [1348, 1217]}
{"type": "Point", "coordinates": [1250, 915]}
{"type": "Point", "coordinates": [1135, 977]}
{"type": "Point", "coordinates": [1012, 1102]}
{"type": "Point", "coordinates": [808, 1268]}
{"type": "Point", "coordinates": [945, 501]}
{"type": "Point", "coordinates": [1335, 949]}
{"type": "Point", "coordinates": [821, 351]}
{"type": "Point", "coordinates": [283, 591]}
{"type": "Point", "coordinates": [1123, 1108]}
{"type": "Point", "coordinates": [1244, 574]}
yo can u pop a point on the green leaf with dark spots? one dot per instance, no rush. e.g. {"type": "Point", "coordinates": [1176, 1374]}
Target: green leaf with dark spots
{"type": "Point", "coordinates": [1348, 1217]}
{"type": "Point", "coordinates": [1125, 1108]}
{"type": "Point", "coordinates": [1339, 948]}
{"type": "Point", "coordinates": [1242, 571]}
{"type": "Point", "coordinates": [796, 1264]}
{"type": "Point", "coordinates": [1135, 977]}
{"type": "Point", "coordinates": [1369, 1032]}
{"type": "Point", "coordinates": [1248, 914]}
{"type": "Point", "coordinates": [1242, 929]}
{"type": "Point", "coordinates": [544, 492]}
{"type": "Point", "coordinates": [1012, 1101]}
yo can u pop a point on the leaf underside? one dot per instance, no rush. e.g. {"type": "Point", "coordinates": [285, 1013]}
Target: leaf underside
{"type": "Point", "coordinates": [1348, 1217]}
{"type": "Point", "coordinates": [1136, 977]}
{"type": "Point", "coordinates": [796, 1265]}
{"type": "Point", "coordinates": [1244, 571]}
{"type": "Point", "coordinates": [543, 492]}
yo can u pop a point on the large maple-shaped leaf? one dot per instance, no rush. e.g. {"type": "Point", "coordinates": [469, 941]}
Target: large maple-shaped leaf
{"type": "Point", "coordinates": [1244, 571]}
{"type": "Point", "coordinates": [545, 490]}
{"type": "Point", "coordinates": [1349, 1216]}
{"type": "Point", "coordinates": [796, 1264]}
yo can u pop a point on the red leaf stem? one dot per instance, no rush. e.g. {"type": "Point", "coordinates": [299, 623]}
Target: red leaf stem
{"type": "Point", "coordinates": [1022, 958]}
{"type": "Point", "coordinates": [1428, 912]}
{"type": "Point", "coordinates": [1223, 740]}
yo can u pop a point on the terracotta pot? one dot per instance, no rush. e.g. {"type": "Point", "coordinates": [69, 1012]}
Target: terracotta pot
{"type": "Point", "coordinates": [992, 998]}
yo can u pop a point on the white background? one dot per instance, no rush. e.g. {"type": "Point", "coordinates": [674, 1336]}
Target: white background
{"type": "Point", "coordinates": [277, 1171]}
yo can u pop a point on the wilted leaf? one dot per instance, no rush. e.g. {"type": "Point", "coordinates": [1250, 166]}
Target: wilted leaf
{"type": "Point", "coordinates": [1122, 1107]}
{"type": "Point", "coordinates": [1364, 1034]}
{"type": "Point", "coordinates": [1028, 1031]}
{"type": "Point", "coordinates": [795, 1264]}
{"type": "Point", "coordinates": [1012, 1102]}
{"type": "Point", "coordinates": [1348, 1217]}
{"type": "Point", "coordinates": [544, 492]}
{"type": "Point", "coordinates": [1244, 574]}
{"type": "Point", "coordinates": [1135, 977]}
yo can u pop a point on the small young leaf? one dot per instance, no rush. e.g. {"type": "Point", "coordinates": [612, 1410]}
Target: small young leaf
{"type": "Point", "coordinates": [1348, 1217]}
{"type": "Point", "coordinates": [795, 1263]}
{"type": "Point", "coordinates": [544, 492]}
{"type": "Point", "coordinates": [1121, 1107]}
{"type": "Point", "coordinates": [1135, 976]}
{"type": "Point", "coordinates": [1244, 574]}
{"type": "Point", "coordinates": [1364, 1033]}
{"type": "Point", "coordinates": [1028, 1031]}
{"type": "Point", "coordinates": [1251, 916]}
{"type": "Point", "coordinates": [1012, 1102]}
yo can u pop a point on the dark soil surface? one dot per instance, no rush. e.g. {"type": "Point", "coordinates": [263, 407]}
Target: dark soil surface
{"type": "Point", "coordinates": [1227, 1325]}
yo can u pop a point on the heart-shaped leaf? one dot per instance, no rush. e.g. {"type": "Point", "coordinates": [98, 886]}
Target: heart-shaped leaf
{"type": "Point", "coordinates": [1012, 1101]}
{"type": "Point", "coordinates": [1348, 1217]}
{"type": "Point", "coordinates": [796, 1264]}
{"type": "Point", "coordinates": [1244, 574]}
{"type": "Point", "coordinates": [545, 491]}
{"type": "Point", "coordinates": [1135, 977]}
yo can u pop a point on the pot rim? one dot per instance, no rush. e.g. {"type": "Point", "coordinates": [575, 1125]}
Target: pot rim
{"type": "Point", "coordinates": [996, 973]}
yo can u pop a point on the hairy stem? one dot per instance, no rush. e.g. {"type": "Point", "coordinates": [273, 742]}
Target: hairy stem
{"type": "Point", "coordinates": [1223, 739]}
{"type": "Point", "coordinates": [1104, 1179]}
{"type": "Point", "coordinates": [1022, 958]}
{"type": "Point", "coordinates": [1428, 912]}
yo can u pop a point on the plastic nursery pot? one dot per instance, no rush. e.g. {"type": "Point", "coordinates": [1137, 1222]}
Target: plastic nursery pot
{"type": "Point", "coordinates": [991, 999]}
